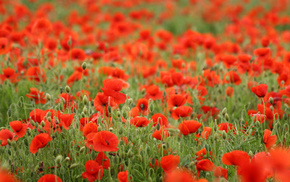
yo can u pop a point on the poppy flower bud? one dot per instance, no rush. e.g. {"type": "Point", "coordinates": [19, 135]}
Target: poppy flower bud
{"type": "Point", "coordinates": [85, 100]}
{"type": "Point", "coordinates": [85, 110]}
{"type": "Point", "coordinates": [61, 90]}
{"type": "Point", "coordinates": [83, 115]}
{"type": "Point", "coordinates": [272, 108]}
{"type": "Point", "coordinates": [122, 155]}
{"type": "Point", "coordinates": [271, 100]}
{"type": "Point", "coordinates": [111, 129]}
{"type": "Point", "coordinates": [227, 117]}
{"type": "Point", "coordinates": [224, 134]}
{"type": "Point", "coordinates": [130, 153]}
{"type": "Point", "coordinates": [48, 97]}
{"type": "Point", "coordinates": [149, 179]}
{"type": "Point", "coordinates": [58, 159]}
{"type": "Point", "coordinates": [82, 149]}
{"type": "Point", "coordinates": [251, 154]}
{"type": "Point", "coordinates": [99, 128]}
{"type": "Point", "coordinates": [9, 142]}
{"type": "Point", "coordinates": [67, 159]}
{"type": "Point", "coordinates": [84, 65]}
{"type": "Point", "coordinates": [130, 101]}
{"type": "Point", "coordinates": [42, 123]}
{"type": "Point", "coordinates": [67, 89]}
{"type": "Point", "coordinates": [224, 111]}
{"type": "Point", "coordinates": [75, 165]}
{"type": "Point", "coordinates": [139, 157]}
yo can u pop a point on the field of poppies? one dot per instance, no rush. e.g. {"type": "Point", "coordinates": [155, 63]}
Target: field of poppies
{"type": "Point", "coordinates": [144, 90]}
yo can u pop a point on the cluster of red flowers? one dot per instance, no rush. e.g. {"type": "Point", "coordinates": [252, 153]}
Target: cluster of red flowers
{"type": "Point", "coordinates": [130, 75]}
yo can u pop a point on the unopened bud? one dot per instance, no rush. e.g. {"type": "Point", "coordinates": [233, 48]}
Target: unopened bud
{"type": "Point", "coordinates": [84, 65]}
{"type": "Point", "coordinates": [111, 129]}
{"type": "Point", "coordinates": [271, 100]}
{"type": "Point", "coordinates": [251, 154]}
{"type": "Point", "coordinates": [158, 126]}
{"type": "Point", "coordinates": [42, 123]}
{"type": "Point", "coordinates": [130, 101]}
{"type": "Point", "coordinates": [227, 117]}
{"type": "Point", "coordinates": [74, 165]}
{"type": "Point", "coordinates": [58, 159]}
{"type": "Point", "coordinates": [48, 97]}
{"type": "Point", "coordinates": [224, 134]}
{"type": "Point", "coordinates": [224, 111]}
{"type": "Point", "coordinates": [67, 89]}
{"type": "Point", "coordinates": [82, 149]}
{"type": "Point", "coordinates": [99, 128]}
{"type": "Point", "coordinates": [85, 100]}
{"type": "Point", "coordinates": [67, 159]}
{"type": "Point", "coordinates": [85, 110]}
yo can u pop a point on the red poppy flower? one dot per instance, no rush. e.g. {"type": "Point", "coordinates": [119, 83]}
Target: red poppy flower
{"type": "Point", "coordinates": [37, 115]}
{"type": "Point", "coordinates": [230, 91]}
{"type": "Point", "coordinates": [204, 165]}
{"type": "Point", "coordinates": [221, 172]}
{"type": "Point", "coordinates": [4, 45]}
{"type": "Point", "coordinates": [268, 139]}
{"type": "Point", "coordinates": [105, 141]}
{"type": "Point", "coordinates": [206, 132]}
{"type": "Point", "coordinates": [36, 74]}
{"type": "Point", "coordinates": [5, 135]}
{"type": "Point", "coordinates": [169, 163]}
{"type": "Point", "coordinates": [160, 134]}
{"type": "Point", "coordinates": [139, 122]}
{"type": "Point", "coordinates": [49, 178]}
{"type": "Point", "coordinates": [159, 118]}
{"type": "Point", "coordinates": [260, 90]}
{"type": "Point", "coordinates": [180, 175]}
{"type": "Point", "coordinates": [77, 54]}
{"type": "Point", "coordinates": [39, 141]}
{"type": "Point", "coordinates": [101, 102]}
{"type": "Point", "coordinates": [112, 88]}
{"type": "Point", "coordinates": [37, 96]}
{"type": "Point", "coordinates": [41, 26]}
{"type": "Point", "coordinates": [19, 128]}
{"type": "Point", "coordinates": [153, 92]}
{"type": "Point", "coordinates": [229, 60]}
{"type": "Point", "coordinates": [6, 176]}
{"type": "Point", "coordinates": [189, 126]}
{"type": "Point", "coordinates": [66, 120]}
{"type": "Point", "coordinates": [182, 111]}
{"type": "Point", "coordinates": [143, 106]}
{"type": "Point", "coordinates": [76, 76]}
{"type": "Point", "coordinates": [232, 77]}
{"type": "Point", "coordinates": [103, 160]}
{"type": "Point", "coordinates": [176, 101]}
{"type": "Point", "coordinates": [225, 127]}
{"type": "Point", "coordinates": [94, 171]}
{"type": "Point", "coordinates": [123, 176]}
{"type": "Point", "coordinates": [9, 74]}
{"type": "Point", "coordinates": [200, 154]}
{"type": "Point", "coordinates": [90, 128]}
{"type": "Point", "coordinates": [236, 158]}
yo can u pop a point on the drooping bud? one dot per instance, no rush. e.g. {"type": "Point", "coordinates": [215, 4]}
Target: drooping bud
{"type": "Point", "coordinates": [74, 165]}
{"type": "Point", "coordinates": [224, 111]}
{"type": "Point", "coordinates": [58, 159]}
